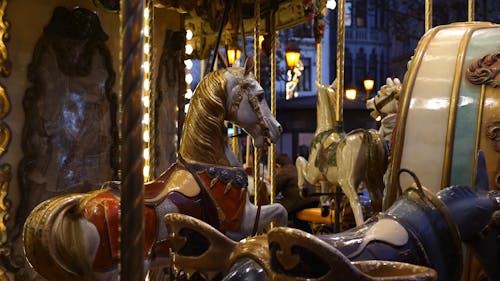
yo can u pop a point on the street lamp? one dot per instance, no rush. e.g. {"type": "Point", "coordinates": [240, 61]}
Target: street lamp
{"type": "Point", "coordinates": [233, 53]}
{"type": "Point", "coordinates": [350, 94]}
{"type": "Point", "coordinates": [368, 84]}
{"type": "Point", "coordinates": [292, 57]}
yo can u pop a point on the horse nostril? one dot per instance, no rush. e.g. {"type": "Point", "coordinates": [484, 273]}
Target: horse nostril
{"type": "Point", "coordinates": [280, 129]}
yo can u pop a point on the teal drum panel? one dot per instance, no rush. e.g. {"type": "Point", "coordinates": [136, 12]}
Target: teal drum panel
{"type": "Point", "coordinates": [483, 42]}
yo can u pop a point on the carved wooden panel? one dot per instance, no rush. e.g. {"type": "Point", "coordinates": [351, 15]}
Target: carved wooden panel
{"type": "Point", "coordinates": [69, 137]}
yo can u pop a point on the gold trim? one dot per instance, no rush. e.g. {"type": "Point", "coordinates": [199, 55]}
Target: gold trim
{"type": "Point", "coordinates": [452, 114]}
{"type": "Point", "coordinates": [479, 123]}
{"type": "Point", "coordinates": [399, 134]}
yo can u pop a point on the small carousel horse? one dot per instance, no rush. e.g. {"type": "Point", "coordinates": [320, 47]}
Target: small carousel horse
{"type": "Point", "coordinates": [76, 237]}
{"type": "Point", "coordinates": [344, 159]}
{"type": "Point", "coordinates": [384, 107]}
{"type": "Point", "coordinates": [419, 229]}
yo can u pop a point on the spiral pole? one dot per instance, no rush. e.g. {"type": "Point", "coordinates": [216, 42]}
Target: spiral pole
{"type": "Point", "coordinates": [131, 87]}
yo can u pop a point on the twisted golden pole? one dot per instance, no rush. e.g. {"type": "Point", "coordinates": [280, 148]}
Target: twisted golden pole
{"type": "Point", "coordinates": [471, 8]}
{"type": "Point", "coordinates": [256, 57]}
{"type": "Point", "coordinates": [272, 146]}
{"type": "Point", "coordinates": [428, 15]}
{"type": "Point", "coordinates": [340, 63]}
{"type": "Point", "coordinates": [131, 86]}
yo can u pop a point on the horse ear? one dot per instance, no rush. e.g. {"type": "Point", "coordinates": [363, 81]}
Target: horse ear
{"type": "Point", "coordinates": [389, 81]}
{"type": "Point", "coordinates": [248, 65]}
{"type": "Point", "coordinates": [481, 181]}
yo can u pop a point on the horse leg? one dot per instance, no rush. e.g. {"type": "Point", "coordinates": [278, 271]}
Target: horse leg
{"type": "Point", "coordinates": [350, 164]}
{"type": "Point", "coordinates": [301, 164]}
{"type": "Point", "coordinates": [269, 213]}
{"type": "Point", "coordinates": [323, 199]}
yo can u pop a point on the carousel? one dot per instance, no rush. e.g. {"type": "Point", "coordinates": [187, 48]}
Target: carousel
{"type": "Point", "coordinates": [117, 179]}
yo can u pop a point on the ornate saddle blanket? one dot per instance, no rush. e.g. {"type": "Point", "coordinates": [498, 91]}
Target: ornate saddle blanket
{"type": "Point", "coordinates": [226, 187]}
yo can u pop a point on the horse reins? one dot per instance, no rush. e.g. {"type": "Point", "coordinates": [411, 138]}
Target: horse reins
{"type": "Point", "coordinates": [254, 102]}
{"type": "Point", "coordinates": [384, 101]}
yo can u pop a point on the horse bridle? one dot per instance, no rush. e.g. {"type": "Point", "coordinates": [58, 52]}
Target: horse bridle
{"type": "Point", "coordinates": [384, 101]}
{"type": "Point", "coordinates": [244, 85]}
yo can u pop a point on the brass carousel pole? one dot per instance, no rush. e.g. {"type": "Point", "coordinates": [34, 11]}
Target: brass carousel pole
{"type": "Point", "coordinates": [131, 87]}
{"type": "Point", "coordinates": [428, 15]}
{"type": "Point", "coordinates": [471, 9]}
{"type": "Point", "coordinates": [340, 64]}
{"type": "Point", "coordinates": [339, 101]}
{"type": "Point", "coordinates": [272, 146]}
{"type": "Point", "coordinates": [256, 57]}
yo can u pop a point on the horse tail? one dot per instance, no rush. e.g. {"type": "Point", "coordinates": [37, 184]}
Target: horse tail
{"type": "Point", "coordinates": [376, 165]}
{"type": "Point", "coordinates": [44, 246]}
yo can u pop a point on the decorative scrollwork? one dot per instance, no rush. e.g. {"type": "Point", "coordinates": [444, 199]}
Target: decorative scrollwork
{"type": "Point", "coordinates": [493, 132]}
{"type": "Point", "coordinates": [5, 136]}
{"type": "Point", "coordinates": [5, 64]}
{"type": "Point", "coordinates": [485, 71]}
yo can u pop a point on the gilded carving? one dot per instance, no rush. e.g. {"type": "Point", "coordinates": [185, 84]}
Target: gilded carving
{"type": "Point", "coordinates": [5, 64]}
{"type": "Point", "coordinates": [493, 132]}
{"type": "Point", "coordinates": [5, 136]}
{"type": "Point", "coordinates": [485, 71]}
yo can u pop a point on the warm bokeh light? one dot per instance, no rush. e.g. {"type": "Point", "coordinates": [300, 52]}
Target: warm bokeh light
{"type": "Point", "coordinates": [292, 58]}
{"type": "Point", "coordinates": [350, 94]}
{"type": "Point", "coordinates": [368, 84]}
{"type": "Point", "coordinates": [233, 54]}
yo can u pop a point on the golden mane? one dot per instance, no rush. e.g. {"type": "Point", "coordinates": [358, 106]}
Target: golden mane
{"type": "Point", "coordinates": [204, 134]}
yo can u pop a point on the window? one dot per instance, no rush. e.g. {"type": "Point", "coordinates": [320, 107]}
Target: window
{"type": "Point", "coordinates": [360, 13]}
{"type": "Point", "coordinates": [348, 13]}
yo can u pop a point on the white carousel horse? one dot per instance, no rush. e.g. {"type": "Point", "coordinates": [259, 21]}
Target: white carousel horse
{"type": "Point", "coordinates": [345, 160]}
{"type": "Point", "coordinates": [385, 105]}
{"type": "Point", "coordinates": [76, 237]}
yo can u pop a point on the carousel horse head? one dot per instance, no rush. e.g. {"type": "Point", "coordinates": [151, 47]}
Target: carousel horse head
{"type": "Point", "coordinates": [386, 100]}
{"type": "Point", "coordinates": [76, 236]}
{"type": "Point", "coordinates": [231, 94]}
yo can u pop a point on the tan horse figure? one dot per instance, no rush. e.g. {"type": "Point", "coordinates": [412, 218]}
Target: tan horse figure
{"type": "Point", "coordinates": [385, 105]}
{"type": "Point", "coordinates": [344, 160]}
{"type": "Point", "coordinates": [76, 237]}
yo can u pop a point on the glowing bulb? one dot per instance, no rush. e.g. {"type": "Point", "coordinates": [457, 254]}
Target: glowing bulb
{"type": "Point", "coordinates": [145, 135]}
{"type": "Point", "coordinates": [189, 49]}
{"type": "Point", "coordinates": [146, 13]}
{"type": "Point", "coordinates": [146, 85]}
{"type": "Point", "coordinates": [145, 118]}
{"type": "Point", "coordinates": [378, 118]}
{"type": "Point", "coordinates": [145, 153]}
{"type": "Point", "coordinates": [145, 101]}
{"type": "Point", "coordinates": [145, 30]}
{"type": "Point", "coordinates": [146, 66]}
{"type": "Point", "coordinates": [189, 94]}
{"type": "Point", "coordinates": [145, 171]}
{"type": "Point", "coordinates": [188, 63]}
{"type": "Point", "coordinates": [146, 48]}
{"type": "Point", "coordinates": [331, 4]}
{"type": "Point", "coordinates": [189, 34]}
{"type": "Point", "coordinates": [186, 108]}
{"type": "Point", "coordinates": [189, 78]}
